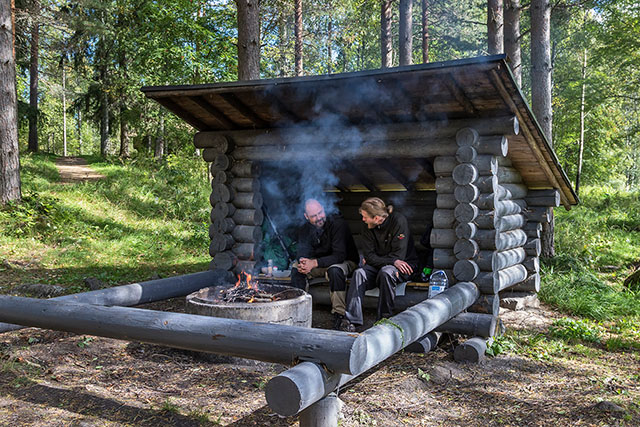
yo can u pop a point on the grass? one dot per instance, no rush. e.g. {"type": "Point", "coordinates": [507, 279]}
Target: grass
{"type": "Point", "coordinates": [142, 219]}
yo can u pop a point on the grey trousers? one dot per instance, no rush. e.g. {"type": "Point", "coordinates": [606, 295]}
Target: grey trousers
{"type": "Point", "coordinates": [366, 278]}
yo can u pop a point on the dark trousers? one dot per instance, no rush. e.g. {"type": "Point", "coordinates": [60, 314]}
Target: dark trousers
{"type": "Point", "coordinates": [366, 278]}
{"type": "Point", "coordinates": [336, 276]}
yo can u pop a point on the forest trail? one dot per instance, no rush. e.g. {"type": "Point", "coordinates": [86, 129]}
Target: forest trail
{"type": "Point", "coordinates": [75, 169]}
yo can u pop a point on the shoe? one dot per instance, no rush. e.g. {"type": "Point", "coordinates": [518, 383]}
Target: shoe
{"type": "Point", "coordinates": [347, 326]}
{"type": "Point", "coordinates": [337, 320]}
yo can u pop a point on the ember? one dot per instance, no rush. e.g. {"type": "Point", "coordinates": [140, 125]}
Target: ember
{"type": "Point", "coordinates": [249, 291]}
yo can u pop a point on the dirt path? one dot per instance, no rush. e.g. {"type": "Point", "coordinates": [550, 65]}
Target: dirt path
{"type": "Point", "coordinates": [75, 169]}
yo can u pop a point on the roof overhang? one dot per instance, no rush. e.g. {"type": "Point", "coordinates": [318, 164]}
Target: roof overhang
{"type": "Point", "coordinates": [437, 93]}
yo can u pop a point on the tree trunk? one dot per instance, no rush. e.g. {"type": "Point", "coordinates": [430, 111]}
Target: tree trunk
{"type": "Point", "coordinates": [541, 91]}
{"type": "Point", "coordinates": [248, 39]}
{"type": "Point", "coordinates": [282, 43]}
{"type": "Point", "coordinates": [495, 31]}
{"type": "Point", "coordinates": [104, 124]}
{"type": "Point", "coordinates": [159, 151]}
{"type": "Point", "coordinates": [405, 32]}
{"type": "Point", "coordinates": [298, 36]}
{"type": "Point", "coordinates": [512, 38]}
{"type": "Point", "coordinates": [9, 160]}
{"type": "Point", "coordinates": [386, 44]}
{"type": "Point", "coordinates": [425, 31]}
{"type": "Point", "coordinates": [329, 46]}
{"type": "Point", "coordinates": [33, 78]}
{"type": "Point", "coordinates": [581, 146]}
{"type": "Point", "coordinates": [79, 121]}
{"type": "Point", "coordinates": [64, 110]}
{"type": "Point", "coordinates": [124, 133]}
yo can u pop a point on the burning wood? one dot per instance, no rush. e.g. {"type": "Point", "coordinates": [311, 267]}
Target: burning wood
{"type": "Point", "coordinates": [249, 291]}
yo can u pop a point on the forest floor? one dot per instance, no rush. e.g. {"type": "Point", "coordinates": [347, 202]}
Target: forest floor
{"type": "Point", "coordinates": [52, 378]}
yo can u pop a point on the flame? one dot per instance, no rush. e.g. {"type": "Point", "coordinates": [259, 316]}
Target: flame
{"type": "Point", "coordinates": [248, 281]}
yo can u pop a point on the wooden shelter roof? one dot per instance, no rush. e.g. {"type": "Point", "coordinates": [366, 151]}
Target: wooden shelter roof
{"type": "Point", "coordinates": [433, 94]}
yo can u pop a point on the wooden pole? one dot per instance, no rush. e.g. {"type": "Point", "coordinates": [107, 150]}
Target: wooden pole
{"type": "Point", "coordinates": [339, 351]}
{"type": "Point", "coordinates": [299, 387]}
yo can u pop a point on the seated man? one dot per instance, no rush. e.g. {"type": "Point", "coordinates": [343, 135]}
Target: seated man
{"type": "Point", "coordinates": [325, 248]}
{"type": "Point", "coordinates": [390, 258]}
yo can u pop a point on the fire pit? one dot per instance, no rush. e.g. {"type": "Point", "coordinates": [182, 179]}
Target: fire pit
{"type": "Point", "coordinates": [253, 301]}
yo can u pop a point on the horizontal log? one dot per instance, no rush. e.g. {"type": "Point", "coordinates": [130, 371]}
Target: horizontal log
{"type": "Point", "coordinates": [248, 200]}
{"type": "Point", "coordinates": [486, 304]}
{"type": "Point", "coordinates": [316, 151]}
{"type": "Point", "coordinates": [247, 234]}
{"type": "Point", "coordinates": [547, 198]}
{"type": "Point", "coordinates": [466, 193]}
{"type": "Point", "coordinates": [508, 175]}
{"type": "Point", "coordinates": [466, 154]}
{"type": "Point", "coordinates": [495, 281]}
{"type": "Point", "coordinates": [472, 350]}
{"type": "Point", "coordinates": [434, 132]}
{"type": "Point", "coordinates": [467, 137]}
{"type": "Point", "coordinates": [500, 126]}
{"type": "Point", "coordinates": [509, 207]}
{"type": "Point", "coordinates": [532, 264]}
{"type": "Point", "coordinates": [220, 242]}
{"type": "Point", "coordinates": [532, 225]}
{"type": "Point", "coordinates": [223, 261]}
{"type": "Point", "coordinates": [247, 251]}
{"type": "Point", "coordinates": [465, 173]}
{"type": "Point", "coordinates": [223, 226]}
{"type": "Point", "coordinates": [444, 258]}
{"type": "Point", "coordinates": [220, 162]}
{"type": "Point", "coordinates": [442, 238]}
{"type": "Point", "coordinates": [465, 212]}
{"type": "Point", "coordinates": [486, 164]}
{"type": "Point", "coordinates": [537, 214]}
{"type": "Point", "coordinates": [509, 222]}
{"type": "Point", "coordinates": [143, 292]}
{"type": "Point", "coordinates": [245, 169]}
{"type": "Point", "coordinates": [530, 284]}
{"type": "Point", "coordinates": [471, 324]}
{"type": "Point", "coordinates": [299, 387]}
{"type": "Point", "coordinates": [494, 240]}
{"type": "Point", "coordinates": [247, 185]}
{"type": "Point", "coordinates": [487, 183]}
{"type": "Point", "coordinates": [248, 217]}
{"type": "Point", "coordinates": [445, 185]}
{"type": "Point", "coordinates": [466, 270]}
{"type": "Point", "coordinates": [533, 234]}
{"type": "Point", "coordinates": [466, 248]}
{"type": "Point", "coordinates": [505, 162]}
{"type": "Point", "coordinates": [533, 247]}
{"type": "Point", "coordinates": [493, 145]}
{"type": "Point", "coordinates": [221, 178]}
{"type": "Point", "coordinates": [210, 155]}
{"type": "Point", "coordinates": [212, 140]}
{"type": "Point", "coordinates": [424, 344]}
{"type": "Point", "coordinates": [446, 201]}
{"type": "Point", "coordinates": [443, 165]}
{"type": "Point", "coordinates": [511, 191]}
{"type": "Point", "coordinates": [443, 218]}
{"type": "Point", "coordinates": [466, 230]}
{"type": "Point", "coordinates": [499, 260]}
{"type": "Point", "coordinates": [221, 193]}
{"type": "Point", "coordinates": [339, 351]}
{"type": "Point", "coordinates": [222, 210]}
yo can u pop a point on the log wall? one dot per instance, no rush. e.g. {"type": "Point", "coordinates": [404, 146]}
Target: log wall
{"type": "Point", "coordinates": [236, 206]}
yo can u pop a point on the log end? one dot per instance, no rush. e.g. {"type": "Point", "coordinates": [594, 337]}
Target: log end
{"type": "Point", "coordinates": [472, 350]}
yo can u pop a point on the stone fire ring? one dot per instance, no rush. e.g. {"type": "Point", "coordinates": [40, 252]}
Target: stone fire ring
{"type": "Point", "coordinates": [296, 310]}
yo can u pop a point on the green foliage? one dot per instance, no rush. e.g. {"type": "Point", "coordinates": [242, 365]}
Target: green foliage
{"type": "Point", "coordinates": [424, 376]}
{"type": "Point", "coordinates": [575, 330]}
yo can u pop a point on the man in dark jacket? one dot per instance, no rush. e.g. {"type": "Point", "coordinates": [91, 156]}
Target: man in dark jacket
{"type": "Point", "coordinates": [325, 249]}
{"type": "Point", "coordinates": [390, 258]}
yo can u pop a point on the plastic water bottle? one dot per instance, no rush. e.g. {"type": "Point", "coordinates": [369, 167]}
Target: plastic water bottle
{"type": "Point", "coordinates": [438, 282]}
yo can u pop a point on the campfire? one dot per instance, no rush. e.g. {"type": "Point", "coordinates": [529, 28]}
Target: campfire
{"type": "Point", "coordinates": [248, 290]}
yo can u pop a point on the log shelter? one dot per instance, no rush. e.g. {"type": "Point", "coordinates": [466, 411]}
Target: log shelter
{"type": "Point", "coordinates": [453, 145]}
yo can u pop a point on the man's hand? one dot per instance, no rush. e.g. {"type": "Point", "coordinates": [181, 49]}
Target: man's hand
{"type": "Point", "coordinates": [306, 265]}
{"type": "Point", "coordinates": [403, 267]}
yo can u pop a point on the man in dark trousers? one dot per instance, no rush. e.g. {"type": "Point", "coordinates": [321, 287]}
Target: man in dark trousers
{"type": "Point", "coordinates": [325, 249]}
{"type": "Point", "coordinates": [390, 258]}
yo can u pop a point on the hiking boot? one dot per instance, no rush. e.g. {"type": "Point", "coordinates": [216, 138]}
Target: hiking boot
{"type": "Point", "coordinates": [337, 320]}
{"type": "Point", "coordinates": [347, 326]}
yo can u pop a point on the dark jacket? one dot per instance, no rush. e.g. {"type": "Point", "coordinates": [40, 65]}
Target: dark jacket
{"type": "Point", "coordinates": [331, 244]}
{"type": "Point", "coordinates": [388, 242]}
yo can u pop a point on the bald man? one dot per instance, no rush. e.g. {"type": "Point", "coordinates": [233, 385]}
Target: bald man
{"type": "Point", "coordinates": [325, 249]}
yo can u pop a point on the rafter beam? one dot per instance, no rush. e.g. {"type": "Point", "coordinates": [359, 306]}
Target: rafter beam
{"type": "Point", "coordinates": [243, 109]}
{"type": "Point", "coordinates": [214, 111]}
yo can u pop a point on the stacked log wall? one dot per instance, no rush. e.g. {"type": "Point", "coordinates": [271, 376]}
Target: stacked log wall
{"type": "Point", "coordinates": [236, 205]}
